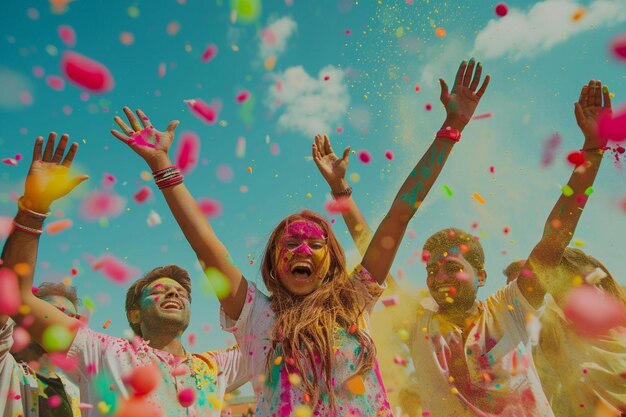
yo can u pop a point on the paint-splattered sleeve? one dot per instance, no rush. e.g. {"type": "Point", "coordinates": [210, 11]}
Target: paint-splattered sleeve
{"type": "Point", "coordinates": [241, 327]}
{"type": "Point", "coordinates": [88, 349]}
{"type": "Point", "coordinates": [232, 367]}
{"type": "Point", "coordinates": [372, 290]}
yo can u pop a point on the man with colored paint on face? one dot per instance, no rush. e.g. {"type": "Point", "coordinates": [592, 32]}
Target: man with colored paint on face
{"type": "Point", "coordinates": [158, 310]}
{"type": "Point", "coordinates": [28, 379]}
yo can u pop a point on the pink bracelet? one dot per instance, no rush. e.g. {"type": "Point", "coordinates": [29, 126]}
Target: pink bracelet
{"type": "Point", "coordinates": [170, 182]}
{"type": "Point", "coordinates": [37, 215]}
{"type": "Point", "coordinates": [26, 229]}
{"type": "Point", "coordinates": [160, 171]}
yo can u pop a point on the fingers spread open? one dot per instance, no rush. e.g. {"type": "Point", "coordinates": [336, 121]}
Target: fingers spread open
{"type": "Point", "coordinates": [171, 127]}
{"type": "Point", "coordinates": [47, 152]}
{"type": "Point", "coordinates": [123, 126]}
{"type": "Point", "coordinates": [67, 162]}
{"type": "Point", "coordinates": [144, 119]}
{"type": "Point", "coordinates": [483, 87]}
{"type": "Point", "coordinates": [476, 79]}
{"type": "Point", "coordinates": [607, 97]}
{"type": "Point", "coordinates": [459, 75]}
{"type": "Point", "coordinates": [37, 149]}
{"type": "Point", "coordinates": [132, 119]}
{"type": "Point", "coordinates": [467, 77]}
{"type": "Point", "coordinates": [121, 137]}
{"type": "Point", "coordinates": [327, 147]}
{"type": "Point", "coordinates": [60, 150]}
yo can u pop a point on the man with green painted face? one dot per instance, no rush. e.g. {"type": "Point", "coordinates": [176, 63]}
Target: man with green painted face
{"type": "Point", "coordinates": [158, 310]}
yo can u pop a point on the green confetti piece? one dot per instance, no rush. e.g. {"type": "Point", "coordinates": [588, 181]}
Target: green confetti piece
{"type": "Point", "coordinates": [567, 191]}
{"type": "Point", "coordinates": [448, 191]}
{"type": "Point", "coordinates": [589, 191]}
{"type": "Point", "coordinates": [88, 302]}
{"type": "Point", "coordinates": [218, 282]}
{"type": "Point", "coordinates": [57, 338]}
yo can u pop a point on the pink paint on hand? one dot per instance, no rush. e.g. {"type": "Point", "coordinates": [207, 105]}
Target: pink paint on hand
{"type": "Point", "coordinates": [209, 53]}
{"type": "Point", "coordinates": [208, 113]}
{"type": "Point", "coordinates": [55, 82]}
{"type": "Point", "coordinates": [143, 194]}
{"type": "Point", "coordinates": [145, 137]}
{"type": "Point", "coordinates": [593, 313]}
{"type": "Point", "coordinates": [242, 96]}
{"type": "Point", "coordinates": [210, 207]}
{"type": "Point", "coordinates": [612, 127]}
{"type": "Point", "coordinates": [86, 73]}
{"type": "Point", "coordinates": [10, 299]}
{"type": "Point", "coordinates": [187, 152]}
{"type": "Point", "coordinates": [67, 35]}
{"type": "Point", "coordinates": [114, 269]}
{"type": "Point", "coordinates": [101, 204]}
{"type": "Point", "coordinates": [618, 47]}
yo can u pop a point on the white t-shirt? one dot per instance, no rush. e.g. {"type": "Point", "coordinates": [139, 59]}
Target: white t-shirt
{"type": "Point", "coordinates": [492, 374]}
{"type": "Point", "coordinates": [104, 361]}
{"type": "Point", "coordinates": [276, 396]}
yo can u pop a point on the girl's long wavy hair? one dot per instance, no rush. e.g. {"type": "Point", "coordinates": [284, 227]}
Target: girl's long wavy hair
{"type": "Point", "coordinates": [305, 325]}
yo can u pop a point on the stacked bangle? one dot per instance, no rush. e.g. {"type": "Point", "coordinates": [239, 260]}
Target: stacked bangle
{"type": "Point", "coordinates": [31, 213]}
{"type": "Point", "coordinates": [167, 177]}
{"type": "Point", "coordinates": [346, 192]}
{"type": "Point", "coordinates": [26, 229]}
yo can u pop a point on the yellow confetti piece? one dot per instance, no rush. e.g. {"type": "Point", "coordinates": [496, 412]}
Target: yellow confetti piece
{"type": "Point", "coordinates": [22, 269]}
{"type": "Point", "coordinates": [24, 309]}
{"type": "Point", "coordinates": [579, 14]}
{"type": "Point", "coordinates": [270, 63]}
{"type": "Point", "coordinates": [478, 198]}
{"type": "Point", "coordinates": [510, 307]}
{"type": "Point", "coordinates": [578, 280]}
{"type": "Point", "coordinates": [250, 169]}
{"type": "Point", "coordinates": [403, 335]}
{"type": "Point", "coordinates": [356, 386]}
{"type": "Point", "coordinates": [278, 360]}
{"type": "Point", "coordinates": [578, 242]}
{"type": "Point", "coordinates": [567, 191]}
{"type": "Point", "coordinates": [302, 411]}
{"type": "Point", "coordinates": [449, 300]}
{"type": "Point", "coordinates": [103, 407]}
{"type": "Point", "coordinates": [308, 195]}
{"type": "Point", "coordinates": [354, 177]}
{"type": "Point", "coordinates": [215, 402]}
{"type": "Point", "coordinates": [451, 379]}
{"type": "Point", "coordinates": [454, 391]}
{"type": "Point", "coordinates": [145, 175]}
{"type": "Point", "coordinates": [218, 282]}
{"type": "Point", "coordinates": [295, 379]}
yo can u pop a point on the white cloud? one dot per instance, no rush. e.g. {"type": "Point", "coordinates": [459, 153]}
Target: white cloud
{"type": "Point", "coordinates": [524, 34]}
{"type": "Point", "coordinates": [274, 37]}
{"type": "Point", "coordinates": [309, 105]}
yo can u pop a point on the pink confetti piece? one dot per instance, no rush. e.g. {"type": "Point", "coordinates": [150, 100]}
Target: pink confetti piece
{"type": "Point", "coordinates": [389, 155]}
{"type": "Point", "coordinates": [502, 10]}
{"type": "Point", "coordinates": [6, 225]}
{"type": "Point", "coordinates": [187, 152]}
{"type": "Point", "coordinates": [482, 116]}
{"type": "Point", "coordinates": [242, 96]}
{"type": "Point", "coordinates": [65, 362]}
{"type": "Point", "coordinates": [9, 161]}
{"type": "Point", "coordinates": [550, 147]}
{"type": "Point", "coordinates": [576, 158]}
{"type": "Point", "coordinates": [618, 46]}
{"type": "Point", "coordinates": [365, 157]}
{"type": "Point", "coordinates": [86, 73]}
{"type": "Point", "coordinates": [240, 147]}
{"type": "Point", "coordinates": [275, 149]}
{"type": "Point", "coordinates": [108, 180]}
{"type": "Point", "coordinates": [613, 127]}
{"type": "Point", "coordinates": [9, 292]}
{"type": "Point", "coordinates": [338, 206]}
{"type": "Point", "coordinates": [101, 204]}
{"type": "Point", "coordinates": [55, 82]}
{"type": "Point", "coordinates": [26, 98]}
{"type": "Point", "coordinates": [38, 71]}
{"type": "Point", "coordinates": [390, 300]}
{"type": "Point", "coordinates": [205, 112]}
{"type": "Point", "coordinates": [144, 379]}
{"type": "Point", "coordinates": [425, 256]}
{"type": "Point", "coordinates": [67, 35]}
{"type": "Point", "coordinates": [127, 38]}
{"type": "Point", "coordinates": [339, 129]}
{"type": "Point", "coordinates": [162, 70]}
{"type": "Point", "coordinates": [210, 207]}
{"type": "Point", "coordinates": [59, 226]}
{"type": "Point", "coordinates": [173, 28]}
{"type": "Point", "coordinates": [186, 397]}
{"type": "Point", "coordinates": [143, 194]}
{"type": "Point", "coordinates": [114, 269]}
{"type": "Point", "coordinates": [428, 107]}
{"type": "Point", "coordinates": [209, 53]}
{"type": "Point", "coordinates": [21, 339]}
{"type": "Point", "coordinates": [224, 173]}
{"type": "Point", "coordinates": [54, 401]}
{"type": "Point", "coordinates": [593, 313]}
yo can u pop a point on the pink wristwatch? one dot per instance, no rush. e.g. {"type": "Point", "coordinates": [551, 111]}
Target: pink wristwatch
{"type": "Point", "coordinates": [449, 133]}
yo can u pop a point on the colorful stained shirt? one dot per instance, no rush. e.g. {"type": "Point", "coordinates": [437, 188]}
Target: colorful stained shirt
{"type": "Point", "coordinates": [104, 361]}
{"type": "Point", "coordinates": [276, 396]}
{"type": "Point", "coordinates": [490, 371]}
{"type": "Point", "coordinates": [25, 394]}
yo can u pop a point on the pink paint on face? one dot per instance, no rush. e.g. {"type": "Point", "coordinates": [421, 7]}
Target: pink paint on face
{"type": "Point", "coordinates": [303, 229]}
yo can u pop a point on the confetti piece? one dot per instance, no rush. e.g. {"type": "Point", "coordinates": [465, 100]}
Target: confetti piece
{"type": "Point", "coordinates": [440, 32]}
{"type": "Point", "coordinates": [618, 46]}
{"type": "Point", "coordinates": [595, 276]}
{"type": "Point", "coordinates": [275, 149]}
{"type": "Point", "coordinates": [9, 292]}
{"type": "Point", "coordinates": [417, 88]}
{"type": "Point", "coordinates": [219, 282]}
{"type": "Point", "coordinates": [365, 157]}
{"type": "Point", "coordinates": [294, 379]}
{"type": "Point", "coordinates": [63, 361]}
{"type": "Point", "coordinates": [127, 38]}
{"type": "Point", "coordinates": [478, 198]}
{"type": "Point", "coordinates": [106, 324]}
{"type": "Point", "coordinates": [55, 82]}
{"type": "Point", "coordinates": [240, 147]}
{"type": "Point", "coordinates": [143, 194]}
{"type": "Point", "coordinates": [187, 152]}
{"type": "Point", "coordinates": [58, 226]}
{"type": "Point", "coordinates": [390, 300]}
{"type": "Point", "coordinates": [550, 147]}
{"type": "Point", "coordinates": [338, 206]}
{"type": "Point", "coordinates": [154, 219]}
{"type": "Point", "coordinates": [242, 96]}
{"type": "Point", "coordinates": [355, 385]}
{"type": "Point", "coordinates": [209, 207]}
{"type": "Point", "coordinates": [99, 204]}
{"type": "Point", "coordinates": [138, 407]}
{"type": "Point", "coordinates": [56, 338]}
{"type": "Point", "coordinates": [144, 379]}
{"type": "Point", "coordinates": [428, 106]}
{"type": "Point", "coordinates": [589, 191]}
{"type": "Point", "coordinates": [567, 191]}
{"type": "Point", "coordinates": [224, 173]}
{"type": "Point", "coordinates": [67, 35]}
{"type": "Point", "coordinates": [612, 127]}
{"type": "Point", "coordinates": [492, 169]}
{"type": "Point", "coordinates": [209, 53]}
{"type": "Point", "coordinates": [506, 230]}
{"type": "Point", "coordinates": [54, 401]}
{"type": "Point", "coordinates": [501, 10]}
{"type": "Point", "coordinates": [9, 161]}
{"type": "Point", "coordinates": [186, 397]}
{"type": "Point", "coordinates": [579, 14]}
{"type": "Point", "coordinates": [593, 313]}
{"type": "Point", "coordinates": [86, 73]}
{"type": "Point", "coordinates": [576, 158]}
{"type": "Point", "coordinates": [448, 190]}
{"type": "Point", "coordinates": [482, 116]}
{"type": "Point", "coordinates": [173, 28]}
{"type": "Point", "coordinates": [246, 11]}
{"type": "Point", "coordinates": [389, 155]}
{"type": "Point", "coordinates": [162, 70]}
{"type": "Point", "coordinates": [114, 269]}
{"type": "Point", "coordinates": [302, 410]}
{"type": "Point", "coordinates": [21, 337]}
{"type": "Point", "coordinates": [205, 112]}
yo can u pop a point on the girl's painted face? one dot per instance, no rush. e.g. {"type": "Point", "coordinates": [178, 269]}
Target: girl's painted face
{"type": "Point", "coordinates": [302, 258]}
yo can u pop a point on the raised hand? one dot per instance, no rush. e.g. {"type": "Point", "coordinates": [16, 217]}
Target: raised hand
{"type": "Point", "coordinates": [49, 178]}
{"type": "Point", "coordinates": [332, 168]}
{"type": "Point", "coordinates": [589, 109]}
{"type": "Point", "coordinates": [462, 102]}
{"type": "Point", "coordinates": [146, 141]}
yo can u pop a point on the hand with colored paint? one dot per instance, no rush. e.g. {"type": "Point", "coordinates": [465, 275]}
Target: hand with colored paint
{"type": "Point", "coordinates": [49, 177]}
{"type": "Point", "coordinates": [149, 143]}
{"type": "Point", "coordinates": [461, 103]}
{"type": "Point", "coordinates": [332, 168]}
{"type": "Point", "coordinates": [589, 109]}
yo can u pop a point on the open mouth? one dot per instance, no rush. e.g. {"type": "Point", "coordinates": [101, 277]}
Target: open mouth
{"type": "Point", "coordinates": [302, 270]}
{"type": "Point", "coordinates": [171, 305]}
{"type": "Point", "coordinates": [445, 288]}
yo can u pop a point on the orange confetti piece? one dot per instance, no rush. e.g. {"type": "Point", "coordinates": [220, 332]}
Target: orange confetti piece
{"type": "Point", "coordinates": [478, 198]}
{"type": "Point", "coordinates": [356, 385]}
{"type": "Point", "coordinates": [59, 226]}
{"type": "Point", "coordinates": [579, 14]}
{"type": "Point", "coordinates": [270, 63]}
{"type": "Point", "coordinates": [440, 32]}
{"type": "Point", "coordinates": [106, 324]}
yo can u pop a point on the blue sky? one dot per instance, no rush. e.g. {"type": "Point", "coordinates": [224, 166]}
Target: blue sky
{"type": "Point", "coordinates": [374, 54]}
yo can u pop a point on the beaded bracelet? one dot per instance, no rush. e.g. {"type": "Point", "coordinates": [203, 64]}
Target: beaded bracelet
{"type": "Point", "coordinates": [31, 213]}
{"type": "Point", "coordinates": [27, 229]}
{"type": "Point", "coordinates": [346, 192]}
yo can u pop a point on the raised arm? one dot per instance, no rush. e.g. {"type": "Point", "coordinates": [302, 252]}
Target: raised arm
{"type": "Point", "coordinates": [564, 217]}
{"type": "Point", "coordinates": [460, 106]}
{"type": "Point", "coordinates": [47, 180]}
{"type": "Point", "coordinates": [153, 146]}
